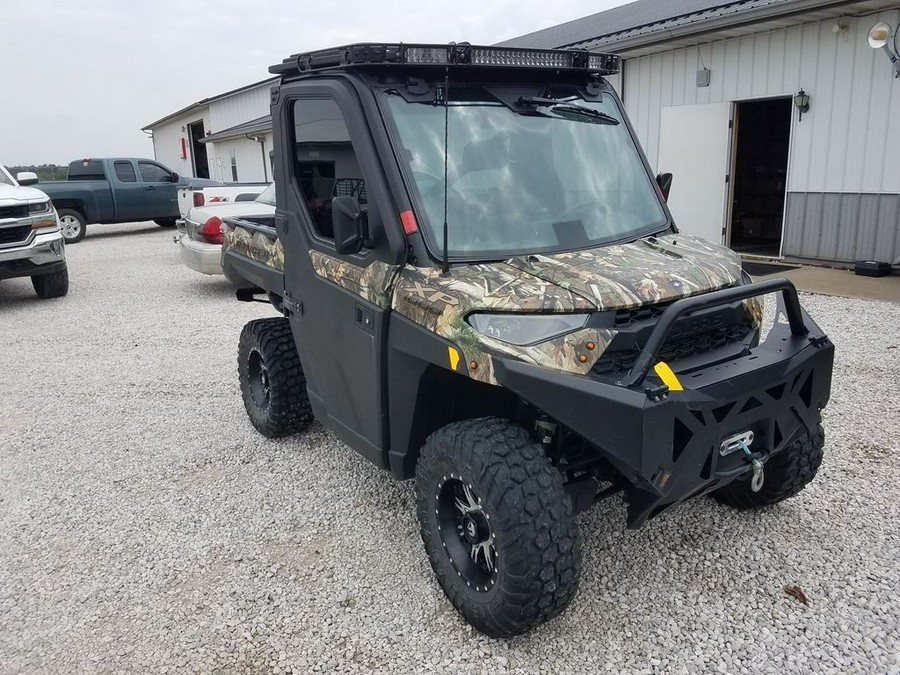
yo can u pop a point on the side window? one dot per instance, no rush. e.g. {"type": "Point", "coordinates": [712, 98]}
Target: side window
{"type": "Point", "coordinates": [125, 172]}
{"type": "Point", "coordinates": [325, 162]}
{"type": "Point", "coordinates": [153, 173]}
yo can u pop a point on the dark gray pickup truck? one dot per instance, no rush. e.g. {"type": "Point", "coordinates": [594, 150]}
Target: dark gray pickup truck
{"type": "Point", "coordinates": [117, 190]}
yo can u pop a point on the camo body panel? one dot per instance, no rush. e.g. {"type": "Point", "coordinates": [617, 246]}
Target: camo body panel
{"type": "Point", "coordinates": [651, 270]}
{"type": "Point", "coordinates": [373, 282]}
{"type": "Point", "coordinates": [440, 304]}
{"type": "Point", "coordinates": [255, 245]}
{"type": "Point", "coordinates": [648, 271]}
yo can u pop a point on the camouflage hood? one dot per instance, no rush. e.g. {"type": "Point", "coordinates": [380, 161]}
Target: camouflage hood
{"type": "Point", "coordinates": [651, 270]}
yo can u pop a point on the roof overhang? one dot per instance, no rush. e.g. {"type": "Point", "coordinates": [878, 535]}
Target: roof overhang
{"type": "Point", "coordinates": [260, 125]}
{"type": "Point", "coordinates": [204, 103]}
{"type": "Point", "coordinates": [754, 16]}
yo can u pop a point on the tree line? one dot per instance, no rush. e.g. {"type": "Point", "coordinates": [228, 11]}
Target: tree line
{"type": "Point", "coordinates": [45, 172]}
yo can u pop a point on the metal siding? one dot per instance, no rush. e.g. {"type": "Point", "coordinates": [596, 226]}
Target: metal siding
{"type": "Point", "coordinates": [829, 226]}
{"type": "Point", "coordinates": [794, 219]}
{"type": "Point", "coordinates": [239, 108]}
{"type": "Point", "coordinates": [842, 226]}
{"type": "Point", "coordinates": [844, 177]}
{"type": "Point", "coordinates": [887, 238]}
{"type": "Point", "coordinates": [867, 227]}
{"type": "Point", "coordinates": [847, 227]}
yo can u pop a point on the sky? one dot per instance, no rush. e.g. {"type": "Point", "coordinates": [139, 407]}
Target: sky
{"type": "Point", "coordinates": [80, 79]}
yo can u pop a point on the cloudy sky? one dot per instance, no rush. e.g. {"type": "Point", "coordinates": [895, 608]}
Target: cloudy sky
{"type": "Point", "coordinates": [81, 78]}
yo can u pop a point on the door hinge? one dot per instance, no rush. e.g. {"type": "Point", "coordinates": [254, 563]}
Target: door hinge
{"type": "Point", "coordinates": [727, 179]}
{"type": "Point", "coordinates": [291, 306]}
{"type": "Point", "coordinates": [731, 124]}
{"type": "Point", "coordinates": [274, 94]}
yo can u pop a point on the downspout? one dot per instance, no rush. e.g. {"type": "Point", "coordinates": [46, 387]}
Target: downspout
{"type": "Point", "coordinates": [262, 147]}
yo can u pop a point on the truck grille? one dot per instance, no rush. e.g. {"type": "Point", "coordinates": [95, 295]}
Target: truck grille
{"type": "Point", "coordinates": [673, 349]}
{"type": "Point", "coordinates": [14, 235]}
{"type": "Point", "coordinates": [18, 211]}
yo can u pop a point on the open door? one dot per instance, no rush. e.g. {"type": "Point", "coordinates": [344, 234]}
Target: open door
{"type": "Point", "coordinates": [695, 146]}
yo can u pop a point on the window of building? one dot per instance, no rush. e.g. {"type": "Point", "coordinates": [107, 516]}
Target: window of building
{"type": "Point", "coordinates": [325, 162]}
{"type": "Point", "coordinates": [125, 172]}
{"type": "Point", "coordinates": [233, 167]}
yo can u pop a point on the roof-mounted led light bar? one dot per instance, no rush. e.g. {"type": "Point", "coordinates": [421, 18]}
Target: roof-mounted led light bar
{"type": "Point", "coordinates": [461, 54]}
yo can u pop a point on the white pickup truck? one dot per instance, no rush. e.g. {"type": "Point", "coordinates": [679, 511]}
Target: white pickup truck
{"type": "Point", "coordinates": [189, 197]}
{"type": "Point", "coordinates": [31, 244]}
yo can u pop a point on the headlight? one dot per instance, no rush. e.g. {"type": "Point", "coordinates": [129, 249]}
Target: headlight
{"type": "Point", "coordinates": [39, 208]}
{"type": "Point", "coordinates": [526, 329]}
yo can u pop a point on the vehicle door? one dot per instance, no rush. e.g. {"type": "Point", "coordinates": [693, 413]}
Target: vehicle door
{"type": "Point", "coordinates": [160, 191]}
{"type": "Point", "coordinates": [341, 302]}
{"type": "Point", "coordinates": [128, 191]}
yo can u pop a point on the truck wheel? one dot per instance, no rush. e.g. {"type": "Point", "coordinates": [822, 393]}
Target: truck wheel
{"type": "Point", "coordinates": [165, 222]}
{"type": "Point", "coordinates": [786, 474]}
{"type": "Point", "coordinates": [497, 525]}
{"type": "Point", "coordinates": [72, 224]}
{"type": "Point", "coordinates": [53, 285]}
{"type": "Point", "coordinates": [272, 383]}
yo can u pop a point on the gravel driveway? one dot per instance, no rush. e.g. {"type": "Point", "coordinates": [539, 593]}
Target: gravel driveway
{"type": "Point", "coordinates": [145, 526]}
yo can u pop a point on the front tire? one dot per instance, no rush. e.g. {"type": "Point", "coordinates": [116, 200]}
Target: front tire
{"type": "Point", "coordinates": [498, 525]}
{"type": "Point", "coordinates": [786, 474]}
{"type": "Point", "coordinates": [72, 224]}
{"type": "Point", "coordinates": [53, 285]}
{"type": "Point", "coordinates": [272, 382]}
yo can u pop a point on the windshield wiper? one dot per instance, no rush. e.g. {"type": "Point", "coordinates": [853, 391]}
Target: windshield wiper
{"type": "Point", "coordinates": [569, 111]}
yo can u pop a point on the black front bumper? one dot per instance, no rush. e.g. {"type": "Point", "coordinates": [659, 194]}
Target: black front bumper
{"type": "Point", "coordinates": [667, 443]}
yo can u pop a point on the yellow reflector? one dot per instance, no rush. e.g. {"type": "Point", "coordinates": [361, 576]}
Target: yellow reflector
{"type": "Point", "coordinates": [454, 357]}
{"type": "Point", "coordinates": [667, 376]}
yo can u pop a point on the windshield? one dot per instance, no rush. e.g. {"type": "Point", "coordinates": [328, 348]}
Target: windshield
{"type": "Point", "coordinates": [5, 178]}
{"type": "Point", "coordinates": [533, 174]}
{"type": "Point", "coordinates": [267, 196]}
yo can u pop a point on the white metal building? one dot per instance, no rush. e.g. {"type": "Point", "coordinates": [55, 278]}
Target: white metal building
{"type": "Point", "coordinates": [226, 137]}
{"type": "Point", "coordinates": [710, 88]}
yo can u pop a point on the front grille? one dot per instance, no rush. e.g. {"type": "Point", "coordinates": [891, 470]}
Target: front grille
{"type": "Point", "coordinates": [627, 317]}
{"type": "Point", "coordinates": [14, 235]}
{"type": "Point", "coordinates": [18, 211]}
{"type": "Point", "coordinates": [673, 349]}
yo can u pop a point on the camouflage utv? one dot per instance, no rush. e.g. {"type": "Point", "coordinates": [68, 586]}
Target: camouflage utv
{"type": "Point", "coordinates": [482, 288]}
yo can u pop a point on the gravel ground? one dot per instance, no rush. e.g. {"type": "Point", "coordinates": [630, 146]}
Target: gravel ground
{"type": "Point", "coordinates": [145, 526]}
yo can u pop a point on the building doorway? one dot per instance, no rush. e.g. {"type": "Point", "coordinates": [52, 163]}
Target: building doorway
{"type": "Point", "coordinates": [198, 149]}
{"type": "Point", "coordinates": [763, 139]}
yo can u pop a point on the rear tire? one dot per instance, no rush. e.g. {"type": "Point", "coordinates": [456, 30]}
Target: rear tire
{"type": "Point", "coordinates": [73, 225]}
{"type": "Point", "coordinates": [272, 382]}
{"type": "Point", "coordinates": [165, 222]}
{"type": "Point", "coordinates": [786, 474]}
{"type": "Point", "coordinates": [53, 285]}
{"type": "Point", "coordinates": [498, 525]}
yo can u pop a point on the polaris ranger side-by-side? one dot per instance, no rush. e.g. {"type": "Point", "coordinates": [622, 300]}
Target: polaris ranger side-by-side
{"type": "Point", "coordinates": [482, 288]}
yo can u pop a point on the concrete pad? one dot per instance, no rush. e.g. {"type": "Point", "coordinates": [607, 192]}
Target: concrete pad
{"type": "Point", "coordinates": [842, 283]}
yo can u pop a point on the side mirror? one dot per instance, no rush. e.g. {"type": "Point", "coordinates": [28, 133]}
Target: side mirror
{"type": "Point", "coordinates": [664, 181]}
{"type": "Point", "coordinates": [349, 223]}
{"type": "Point", "coordinates": [24, 178]}
{"type": "Point", "coordinates": [174, 177]}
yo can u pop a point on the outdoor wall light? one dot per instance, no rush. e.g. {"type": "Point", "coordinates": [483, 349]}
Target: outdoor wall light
{"type": "Point", "coordinates": [801, 101]}
{"type": "Point", "coordinates": [880, 38]}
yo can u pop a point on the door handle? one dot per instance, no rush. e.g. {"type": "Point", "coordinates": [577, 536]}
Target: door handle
{"type": "Point", "coordinates": [149, 187]}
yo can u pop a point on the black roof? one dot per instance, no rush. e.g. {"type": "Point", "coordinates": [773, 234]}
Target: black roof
{"type": "Point", "coordinates": [620, 19]}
